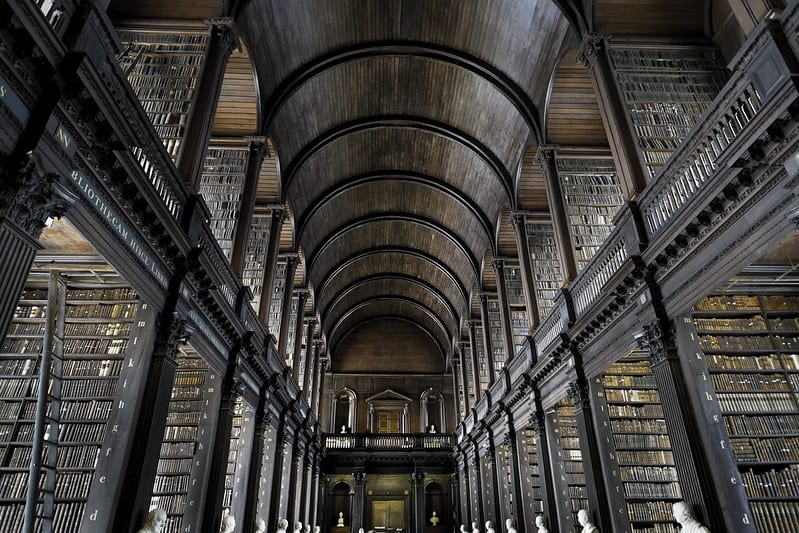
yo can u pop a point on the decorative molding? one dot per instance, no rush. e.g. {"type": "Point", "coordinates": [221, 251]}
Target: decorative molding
{"type": "Point", "coordinates": [591, 47]}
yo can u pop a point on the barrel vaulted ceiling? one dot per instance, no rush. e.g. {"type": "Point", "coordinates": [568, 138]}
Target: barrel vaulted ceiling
{"type": "Point", "coordinates": [400, 127]}
{"type": "Point", "coordinates": [402, 133]}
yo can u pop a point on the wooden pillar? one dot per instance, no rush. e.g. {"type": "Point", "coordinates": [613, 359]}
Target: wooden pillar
{"type": "Point", "coordinates": [310, 362]}
{"type": "Point", "coordinates": [464, 378]}
{"type": "Point", "coordinates": [142, 465]}
{"type": "Point", "coordinates": [285, 310]}
{"type": "Point", "coordinates": [460, 408]}
{"type": "Point", "coordinates": [358, 500]}
{"type": "Point", "coordinates": [691, 459]}
{"type": "Point", "coordinates": [557, 210]}
{"type": "Point", "coordinates": [419, 511]}
{"type": "Point", "coordinates": [475, 362]}
{"type": "Point", "coordinates": [462, 464]}
{"type": "Point", "coordinates": [488, 342]}
{"type": "Point", "coordinates": [302, 298]}
{"type": "Point", "coordinates": [191, 156]}
{"type": "Point", "coordinates": [275, 226]}
{"type": "Point", "coordinates": [546, 475]}
{"type": "Point", "coordinates": [262, 421]}
{"type": "Point", "coordinates": [313, 508]}
{"type": "Point", "coordinates": [621, 136]}
{"type": "Point", "coordinates": [232, 389]}
{"type": "Point", "coordinates": [478, 481]}
{"type": "Point", "coordinates": [517, 220]}
{"type": "Point", "coordinates": [241, 233]}
{"type": "Point", "coordinates": [599, 508]}
{"type": "Point", "coordinates": [504, 310]}
{"type": "Point", "coordinates": [512, 443]}
{"type": "Point", "coordinates": [304, 485]}
{"type": "Point", "coordinates": [281, 451]}
{"type": "Point", "coordinates": [320, 385]}
{"type": "Point", "coordinates": [318, 378]}
{"type": "Point", "coordinates": [495, 479]}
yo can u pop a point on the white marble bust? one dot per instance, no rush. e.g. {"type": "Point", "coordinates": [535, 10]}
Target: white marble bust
{"type": "Point", "coordinates": [228, 524]}
{"type": "Point", "coordinates": [588, 527]}
{"type": "Point", "coordinates": [282, 525]}
{"type": "Point", "coordinates": [490, 527]}
{"type": "Point", "coordinates": [685, 517]}
{"type": "Point", "coordinates": [539, 523]}
{"type": "Point", "coordinates": [154, 522]}
{"type": "Point", "coordinates": [475, 528]}
{"type": "Point", "coordinates": [260, 526]}
{"type": "Point", "coordinates": [510, 527]}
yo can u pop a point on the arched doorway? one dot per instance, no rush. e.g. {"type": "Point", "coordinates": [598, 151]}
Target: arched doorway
{"type": "Point", "coordinates": [431, 417]}
{"type": "Point", "coordinates": [436, 498]}
{"type": "Point", "coordinates": [344, 411]}
{"type": "Point", "coordinates": [339, 500]}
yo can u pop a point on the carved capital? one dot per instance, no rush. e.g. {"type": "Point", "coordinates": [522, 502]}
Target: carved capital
{"type": "Point", "coordinates": [29, 199]}
{"type": "Point", "coordinates": [224, 33]}
{"type": "Point", "coordinates": [537, 423]}
{"type": "Point", "coordinates": [291, 262]}
{"type": "Point", "coordinates": [517, 220]}
{"type": "Point", "coordinates": [577, 391]}
{"type": "Point", "coordinates": [498, 265]}
{"type": "Point", "coordinates": [278, 213]}
{"type": "Point", "coordinates": [418, 477]}
{"type": "Point", "coordinates": [659, 341]}
{"type": "Point", "coordinates": [177, 332]}
{"type": "Point", "coordinates": [592, 46]}
{"type": "Point", "coordinates": [359, 477]}
{"type": "Point", "coordinates": [545, 155]}
{"type": "Point", "coordinates": [258, 147]}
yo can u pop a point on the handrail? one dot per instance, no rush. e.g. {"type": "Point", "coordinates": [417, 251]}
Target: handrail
{"type": "Point", "coordinates": [389, 441]}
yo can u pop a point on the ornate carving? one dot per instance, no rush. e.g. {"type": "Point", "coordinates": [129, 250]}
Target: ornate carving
{"type": "Point", "coordinates": [592, 46]}
{"type": "Point", "coordinates": [545, 155]}
{"type": "Point", "coordinates": [177, 332]}
{"type": "Point", "coordinates": [418, 478]}
{"type": "Point", "coordinates": [224, 33]}
{"type": "Point", "coordinates": [659, 341]}
{"type": "Point", "coordinates": [537, 423]}
{"type": "Point", "coordinates": [359, 477]}
{"type": "Point", "coordinates": [517, 220]}
{"type": "Point", "coordinates": [29, 199]}
{"type": "Point", "coordinates": [577, 391]}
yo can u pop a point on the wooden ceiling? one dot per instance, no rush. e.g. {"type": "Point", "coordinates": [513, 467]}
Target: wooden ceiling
{"type": "Point", "coordinates": [404, 132]}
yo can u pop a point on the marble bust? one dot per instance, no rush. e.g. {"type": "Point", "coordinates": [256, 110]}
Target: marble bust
{"type": "Point", "coordinates": [260, 526]}
{"type": "Point", "coordinates": [297, 526]}
{"type": "Point", "coordinates": [475, 528]}
{"type": "Point", "coordinates": [154, 522]}
{"type": "Point", "coordinates": [434, 519]}
{"type": "Point", "coordinates": [282, 525]}
{"type": "Point", "coordinates": [588, 527]}
{"type": "Point", "coordinates": [340, 522]}
{"type": "Point", "coordinates": [685, 517]}
{"type": "Point", "coordinates": [228, 524]}
{"type": "Point", "coordinates": [490, 527]}
{"type": "Point", "coordinates": [510, 527]}
{"type": "Point", "coordinates": [463, 529]}
{"type": "Point", "coordinates": [539, 523]}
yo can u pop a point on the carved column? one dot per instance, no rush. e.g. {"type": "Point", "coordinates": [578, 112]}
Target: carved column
{"type": "Point", "coordinates": [275, 226]}
{"type": "Point", "coordinates": [419, 511]}
{"type": "Point", "coordinates": [488, 342]}
{"type": "Point", "coordinates": [599, 507]}
{"type": "Point", "coordinates": [318, 378]}
{"type": "Point", "coordinates": [262, 421]}
{"type": "Point", "coordinates": [504, 310]}
{"type": "Point", "coordinates": [232, 389]}
{"type": "Point", "coordinates": [295, 483]}
{"type": "Point", "coordinates": [557, 210]}
{"type": "Point", "coordinates": [478, 391]}
{"type": "Point", "coordinates": [27, 199]}
{"type": "Point", "coordinates": [621, 136]}
{"type": "Point", "coordinates": [285, 310]}
{"type": "Point", "coordinates": [512, 442]}
{"type": "Point", "coordinates": [466, 488]}
{"type": "Point", "coordinates": [241, 233]}
{"type": "Point", "coordinates": [456, 388]}
{"type": "Point", "coordinates": [545, 472]}
{"type": "Point", "coordinates": [517, 220]}
{"type": "Point", "coordinates": [302, 298]}
{"type": "Point", "coordinates": [478, 482]}
{"type": "Point", "coordinates": [313, 509]}
{"type": "Point", "coordinates": [307, 464]}
{"type": "Point", "coordinates": [281, 451]}
{"type": "Point", "coordinates": [685, 432]}
{"type": "Point", "coordinates": [464, 378]}
{"type": "Point", "coordinates": [191, 156]}
{"type": "Point", "coordinates": [494, 506]}
{"type": "Point", "coordinates": [455, 498]}
{"type": "Point", "coordinates": [358, 500]}
{"type": "Point", "coordinates": [150, 421]}
{"type": "Point", "coordinates": [310, 361]}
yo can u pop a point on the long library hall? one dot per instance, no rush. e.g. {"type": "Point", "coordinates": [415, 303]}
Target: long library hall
{"type": "Point", "coordinates": [408, 266]}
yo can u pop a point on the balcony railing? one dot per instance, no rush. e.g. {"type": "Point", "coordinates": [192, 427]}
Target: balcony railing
{"type": "Point", "coordinates": [389, 441]}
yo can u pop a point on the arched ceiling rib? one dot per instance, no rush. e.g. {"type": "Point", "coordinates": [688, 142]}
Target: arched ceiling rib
{"type": "Point", "coordinates": [400, 126]}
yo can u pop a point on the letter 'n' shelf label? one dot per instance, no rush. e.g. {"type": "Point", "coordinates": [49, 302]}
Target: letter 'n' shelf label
{"type": "Point", "coordinates": [122, 230]}
{"type": "Point", "coordinates": [12, 101]}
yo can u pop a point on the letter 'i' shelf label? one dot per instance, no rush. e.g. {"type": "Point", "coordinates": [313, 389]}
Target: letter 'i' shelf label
{"type": "Point", "coordinates": [13, 102]}
{"type": "Point", "coordinates": [86, 188]}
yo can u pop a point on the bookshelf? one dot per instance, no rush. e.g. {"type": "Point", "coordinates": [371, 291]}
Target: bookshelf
{"type": "Point", "coordinates": [641, 444]}
{"type": "Point", "coordinates": [568, 465]}
{"type": "Point", "coordinates": [666, 89]}
{"type": "Point", "coordinates": [546, 265]}
{"type": "Point", "coordinates": [520, 321]}
{"type": "Point", "coordinates": [278, 288]}
{"type": "Point", "coordinates": [97, 319]}
{"type": "Point", "coordinates": [184, 440]}
{"type": "Point", "coordinates": [750, 344]}
{"type": "Point", "coordinates": [593, 196]}
{"type": "Point", "coordinates": [533, 497]}
{"type": "Point", "coordinates": [466, 366]}
{"type": "Point", "coordinates": [241, 436]}
{"type": "Point", "coordinates": [163, 69]}
{"type": "Point", "coordinates": [482, 360]}
{"type": "Point", "coordinates": [292, 325]}
{"type": "Point", "coordinates": [506, 482]}
{"type": "Point", "coordinates": [267, 469]}
{"type": "Point", "coordinates": [221, 185]}
{"type": "Point", "coordinates": [253, 272]}
{"type": "Point", "coordinates": [497, 339]}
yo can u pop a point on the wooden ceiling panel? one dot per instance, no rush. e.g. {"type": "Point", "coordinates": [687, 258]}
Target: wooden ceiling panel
{"type": "Point", "coordinates": [387, 287]}
{"type": "Point", "coordinates": [573, 116]}
{"type": "Point", "coordinates": [268, 180]}
{"type": "Point", "coordinates": [237, 112]}
{"type": "Point", "coordinates": [389, 308]}
{"type": "Point", "coordinates": [395, 196]}
{"type": "Point", "coordinates": [398, 150]}
{"type": "Point", "coordinates": [506, 241]}
{"type": "Point", "coordinates": [650, 17]}
{"type": "Point", "coordinates": [432, 92]}
{"type": "Point", "coordinates": [373, 264]}
{"type": "Point", "coordinates": [532, 193]}
{"type": "Point", "coordinates": [383, 234]}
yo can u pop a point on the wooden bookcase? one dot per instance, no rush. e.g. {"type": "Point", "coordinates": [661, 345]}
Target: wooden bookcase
{"type": "Point", "coordinates": [520, 321]}
{"type": "Point", "coordinates": [163, 69]}
{"type": "Point", "coordinates": [638, 442]}
{"type": "Point", "coordinates": [750, 346]}
{"type": "Point", "coordinates": [278, 288]}
{"type": "Point", "coordinates": [497, 338]}
{"type": "Point", "coordinates": [531, 474]}
{"type": "Point", "coordinates": [545, 262]}
{"type": "Point", "coordinates": [482, 360]}
{"type": "Point", "coordinates": [221, 185]}
{"type": "Point", "coordinates": [253, 272]}
{"type": "Point", "coordinates": [96, 319]}
{"type": "Point", "coordinates": [593, 196]}
{"type": "Point", "coordinates": [567, 464]}
{"type": "Point", "coordinates": [666, 89]}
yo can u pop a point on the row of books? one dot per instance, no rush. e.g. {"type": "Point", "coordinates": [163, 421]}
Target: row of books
{"type": "Point", "coordinates": [776, 449]}
{"type": "Point", "coordinates": [78, 456]}
{"type": "Point", "coordinates": [751, 342]}
{"type": "Point", "coordinates": [776, 517]}
{"type": "Point", "coordinates": [648, 473]}
{"type": "Point", "coordinates": [654, 410]}
{"type": "Point", "coordinates": [648, 491]}
{"type": "Point", "coordinates": [751, 382]}
{"type": "Point", "coordinates": [637, 425]}
{"type": "Point", "coordinates": [86, 409]}
{"type": "Point", "coordinates": [654, 511]}
{"type": "Point", "coordinates": [772, 483]}
{"type": "Point", "coordinates": [81, 432]}
{"type": "Point", "coordinates": [762, 425]}
{"type": "Point", "coordinates": [91, 367]}
{"type": "Point", "coordinates": [167, 484]}
{"type": "Point", "coordinates": [741, 362]}
{"type": "Point", "coordinates": [645, 457]}
{"type": "Point", "coordinates": [93, 388]}
{"type": "Point", "coordinates": [622, 441]}
{"type": "Point", "coordinates": [632, 395]}
{"type": "Point", "coordinates": [742, 402]}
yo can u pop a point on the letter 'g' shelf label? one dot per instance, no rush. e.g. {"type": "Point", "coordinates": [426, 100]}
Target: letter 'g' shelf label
{"type": "Point", "coordinates": [122, 230]}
